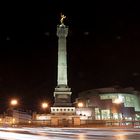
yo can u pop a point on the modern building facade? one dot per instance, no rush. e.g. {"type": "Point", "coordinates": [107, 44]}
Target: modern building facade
{"type": "Point", "coordinates": [109, 103]}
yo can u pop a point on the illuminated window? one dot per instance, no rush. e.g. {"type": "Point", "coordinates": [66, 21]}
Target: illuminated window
{"type": "Point", "coordinates": [128, 99]}
{"type": "Point", "coordinates": [97, 114]}
{"type": "Point", "coordinates": [105, 114]}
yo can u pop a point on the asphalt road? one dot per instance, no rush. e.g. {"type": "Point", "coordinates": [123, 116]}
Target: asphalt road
{"type": "Point", "coordinates": [46, 133]}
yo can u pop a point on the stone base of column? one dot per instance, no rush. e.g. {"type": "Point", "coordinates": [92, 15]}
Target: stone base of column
{"type": "Point", "coordinates": [63, 110]}
{"type": "Point", "coordinates": [62, 98]}
{"type": "Point", "coordinates": [62, 104]}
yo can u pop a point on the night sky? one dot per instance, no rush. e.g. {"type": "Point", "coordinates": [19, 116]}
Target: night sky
{"type": "Point", "coordinates": [103, 48]}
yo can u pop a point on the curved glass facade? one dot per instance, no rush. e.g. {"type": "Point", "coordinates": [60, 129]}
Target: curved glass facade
{"type": "Point", "coordinates": [129, 100]}
{"type": "Point", "coordinates": [111, 103]}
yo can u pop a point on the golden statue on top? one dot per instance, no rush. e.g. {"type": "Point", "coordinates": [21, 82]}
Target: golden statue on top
{"type": "Point", "coordinates": [62, 19]}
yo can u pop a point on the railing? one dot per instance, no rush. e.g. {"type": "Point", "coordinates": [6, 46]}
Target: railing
{"type": "Point", "coordinates": [83, 123]}
{"type": "Point", "coordinates": [110, 123]}
{"type": "Point", "coordinates": [123, 123]}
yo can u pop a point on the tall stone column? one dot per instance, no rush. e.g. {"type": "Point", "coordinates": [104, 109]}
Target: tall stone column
{"type": "Point", "coordinates": [62, 92]}
{"type": "Point", "coordinates": [62, 32]}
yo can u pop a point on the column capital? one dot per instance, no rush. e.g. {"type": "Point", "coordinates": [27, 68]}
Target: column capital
{"type": "Point", "coordinates": [62, 30]}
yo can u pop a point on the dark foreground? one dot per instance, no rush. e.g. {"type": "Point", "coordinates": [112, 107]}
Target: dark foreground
{"type": "Point", "coordinates": [46, 133]}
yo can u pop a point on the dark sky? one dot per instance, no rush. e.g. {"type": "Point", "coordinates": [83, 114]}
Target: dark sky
{"type": "Point", "coordinates": [103, 48]}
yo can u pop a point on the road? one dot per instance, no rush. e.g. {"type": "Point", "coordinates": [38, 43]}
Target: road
{"type": "Point", "coordinates": [46, 133]}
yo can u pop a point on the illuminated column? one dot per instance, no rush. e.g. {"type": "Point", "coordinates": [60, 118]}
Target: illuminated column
{"type": "Point", "coordinates": [62, 93]}
{"type": "Point", "coordinates": [62, 32]}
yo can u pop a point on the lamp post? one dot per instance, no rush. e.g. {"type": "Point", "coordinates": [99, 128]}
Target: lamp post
{"type": "Point", "coordinates": [80, 105]}
{"type": "Point", "coordinates": [13, 104]}
{"type": "Point", "coordinates": [44, 105]}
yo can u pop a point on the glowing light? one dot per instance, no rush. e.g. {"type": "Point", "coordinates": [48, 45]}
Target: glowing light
{"type": "Point", "coordinates": [13, 121]}
{"type": "Point", "coordinates": [44, 105]}
{"type": "Point", "coordinates": [82, 137]}
{"type": "Point", "coordinates": [117, 101]}
{"type": "Point", "coordinates": [121, 137]}
{"type": "Point", "coordinates": [14, 102]}
{"type": "Point", "coordinates": [41, 118]}
{"type": "Point", "coordinates": [80, 104]}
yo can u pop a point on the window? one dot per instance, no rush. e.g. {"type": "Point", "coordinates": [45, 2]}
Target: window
{"type": "Point", "coordinates": [128, 99]}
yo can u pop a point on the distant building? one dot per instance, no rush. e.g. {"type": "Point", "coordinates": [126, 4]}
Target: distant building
{"type": "Point", "coordinates": [109, 103]}
{"type": "Point", "coordinates": [17, 117]}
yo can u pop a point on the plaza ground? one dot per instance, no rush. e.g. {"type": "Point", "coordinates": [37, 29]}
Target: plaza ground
{"type": "Point", "coordinates": [45, 133]}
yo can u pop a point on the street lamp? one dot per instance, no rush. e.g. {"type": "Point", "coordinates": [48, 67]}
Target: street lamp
{"type": "Point", "coordinates": [14, 102]}
{"type": "Point", "coordinates": [44, 105]}
{"type": "Point", "coordinates": [80, 105]}
{"type": "Point", "coordinates": [117, 101]}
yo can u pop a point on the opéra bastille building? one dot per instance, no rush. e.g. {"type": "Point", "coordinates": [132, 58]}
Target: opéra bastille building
{"type": "Point", "coordinates": [110, 103]}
